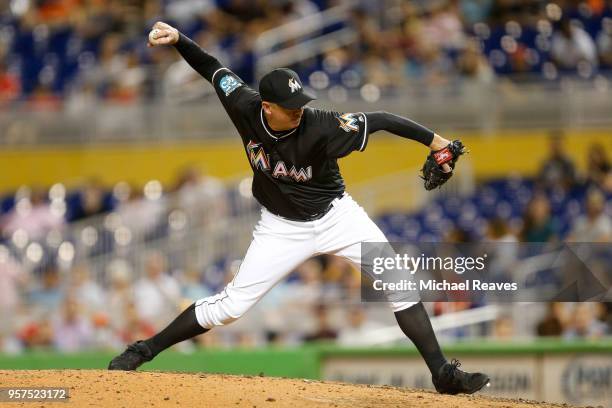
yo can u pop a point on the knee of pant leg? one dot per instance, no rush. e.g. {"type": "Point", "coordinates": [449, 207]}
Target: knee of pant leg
{"type": "Point", "coordinates": [399, 306]}
{"type": "Point", "coordinates": [220, 309]}
{"type": "Point", "coordinates": [402, 300]}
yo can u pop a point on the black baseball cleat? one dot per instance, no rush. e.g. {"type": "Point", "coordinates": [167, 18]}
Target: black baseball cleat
{"type": "Point", "coordinates": [452, 380]}
{"type": "Point", "coordinates": [133, 357]}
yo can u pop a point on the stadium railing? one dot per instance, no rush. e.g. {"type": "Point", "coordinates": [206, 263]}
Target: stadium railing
{"type": "Point", "coordinates": [462, 105]}
{"type": "Point", "coordinates": [314, 34]}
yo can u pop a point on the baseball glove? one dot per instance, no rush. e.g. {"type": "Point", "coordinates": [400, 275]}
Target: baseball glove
{"type": "Point", "coordinates": [433, 174]}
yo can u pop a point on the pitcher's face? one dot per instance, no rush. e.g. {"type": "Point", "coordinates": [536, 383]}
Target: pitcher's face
{"type": "Point", "coordinates": [280, 118]}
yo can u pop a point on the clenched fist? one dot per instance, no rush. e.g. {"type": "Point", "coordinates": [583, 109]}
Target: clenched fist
{"type": "Point", "coordinates": [163, 34]}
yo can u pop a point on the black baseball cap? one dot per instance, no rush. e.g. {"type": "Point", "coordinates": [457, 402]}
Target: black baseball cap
{"type": "Point", "coordinates": [283, 87]}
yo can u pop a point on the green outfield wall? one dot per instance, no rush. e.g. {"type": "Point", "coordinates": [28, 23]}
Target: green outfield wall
{"type": "Point", "coordinates": [302, 362]}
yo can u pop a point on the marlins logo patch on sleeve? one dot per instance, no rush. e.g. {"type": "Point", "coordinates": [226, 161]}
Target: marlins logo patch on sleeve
{"type": "Point", "coordinates": [229, 84]}
{"type": "Point", "coordinates": [348, 122]}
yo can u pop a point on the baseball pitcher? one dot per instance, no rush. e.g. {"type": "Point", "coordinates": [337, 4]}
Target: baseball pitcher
{"type": "Point", "coordinates": [293, 151]}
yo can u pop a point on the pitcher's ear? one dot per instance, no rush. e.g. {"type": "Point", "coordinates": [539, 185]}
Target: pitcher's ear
{"type": "Point", "coordinates": [267, 107]}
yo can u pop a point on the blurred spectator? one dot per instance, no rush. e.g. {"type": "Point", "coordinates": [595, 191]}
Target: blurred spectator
{"type": "Point", "coordinates": [49, 294]}
{"type": "Point", "coordinates": [37, 334]}
{"type": "Point", "coordinates": [210, 339]}
{"type": "Point", "coordinates": [584, 324]}
{"type": "Point", "coordinates": [309, 287]}
{"type": "Point", "coordinates": [13, 276]}
{"type": "Point", "coordinates": [596, 225]}
{"type": "Point", "coordinates": [43, 99]}
{"type": "Point", "coordinates": [9, 344]}
{"type": "Point", "coordinates": [598, 165]}
{"type": "Point", "coordinates": [244, 340]}
{"type": "Point", "coordinates": [323, 330]}
{"type": "Point", "coordinates": [349, 279]}
{"type": "Point", "coordinates": [504, 254]}
{"type": "Point", "coordinates": [120, 291]}
{"type": "Point", "coordinates": [201, 196]}
{"type": "Point", "coordinates": [157, 295]}
{"type": "Point", "coordinates": [295, 9]}
{"type": "Point", "coordinates": [538, 225]}
{"type": "Point", "coordinates": [368, 30]}
{"type": "Point", "coordinates": [443, 28]}
{"type": "Point", "coordinates": [283, 308]}
{"type": "Point", "coordinates": [607, 183]}
{"type": "Point", "coordinates": [558, 170]}
{"type": "Point", "coordinates": [604, 42]}
{"type": "Point", "coordinates": [571, 46]}
{"type": "Point", "coordinates": [140, 213]}
{"type": "Point", "coordinates": [474, 11]}
{"type": "Point", "coordinates": [34, 215]}
{"type": "Point", "coordinates": [88, 293]}
{"type": "Point", "coordinates": [472, 64]}
{"type": "Point", "coordinates": [104, 336]}
{"type": "Point", "coordinates": [134, 327]}
{"type": "Point", "coordinates": [275, 338]}
{"type": "Point", "coordinates": [554, 322]}
{"type": "Point", "coordinates": [192, 287]}
{"type": "Point", "coordinates": [186, 11]}
{"type": "Point", "coordinates": [503, 328]}
{"type": "Point", "coordinates": [91, 199]}
{"type": "Point", "coordinates": [10, 87]}
{"type": "Point", "coordinates": [72, 331]}
{"type": "Point", "coordinates": [499, 231]}
{"type": "Point", "coordinates": [127, 85]}
{"type": "Point", "coordinates": [603, 313]}
{"type": "Point", "coordinates": [359, 328]}
{"type": "Point", "coordinates": [458, 235]}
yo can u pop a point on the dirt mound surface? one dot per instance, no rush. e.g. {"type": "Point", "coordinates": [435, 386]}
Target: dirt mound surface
{"type": "Point", "coordinates": [96, 388]}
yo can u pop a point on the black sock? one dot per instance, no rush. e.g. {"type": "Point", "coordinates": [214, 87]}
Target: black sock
{"type": "Point", "coordinates": [415, 324]}
{"type": "Point", "coordinates": [184, 327]}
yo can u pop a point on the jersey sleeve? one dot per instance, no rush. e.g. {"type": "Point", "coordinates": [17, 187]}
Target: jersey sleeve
{"type": "Point", "coordinates": [346, 132]}
{"type": "Point", "coordinates": [234, 94]}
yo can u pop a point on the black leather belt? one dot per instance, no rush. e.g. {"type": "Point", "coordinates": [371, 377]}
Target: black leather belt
{"type": "Point", "coordinates": [316, 216]}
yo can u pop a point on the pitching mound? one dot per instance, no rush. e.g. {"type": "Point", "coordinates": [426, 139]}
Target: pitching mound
{"type": "Point", "coordinates": [161, 389]}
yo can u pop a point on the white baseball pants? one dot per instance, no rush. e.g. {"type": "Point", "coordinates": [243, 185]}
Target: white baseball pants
{"type": "Point", "coordinates": [279, 246]}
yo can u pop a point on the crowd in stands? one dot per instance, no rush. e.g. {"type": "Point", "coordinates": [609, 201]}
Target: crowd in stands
{"type": "Point", "coordinates": [560, 204]}
{"type": "Point", "coordinates": [55, 292]}
{"type": "Point", "coordinates": [54, 52]}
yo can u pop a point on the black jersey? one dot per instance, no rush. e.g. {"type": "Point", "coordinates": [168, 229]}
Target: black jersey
{"type": "Point", "coordinates": [295, 173]}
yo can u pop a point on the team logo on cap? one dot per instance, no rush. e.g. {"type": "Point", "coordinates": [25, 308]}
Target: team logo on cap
{"type": "Point", "coordinates": [294, 85]}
